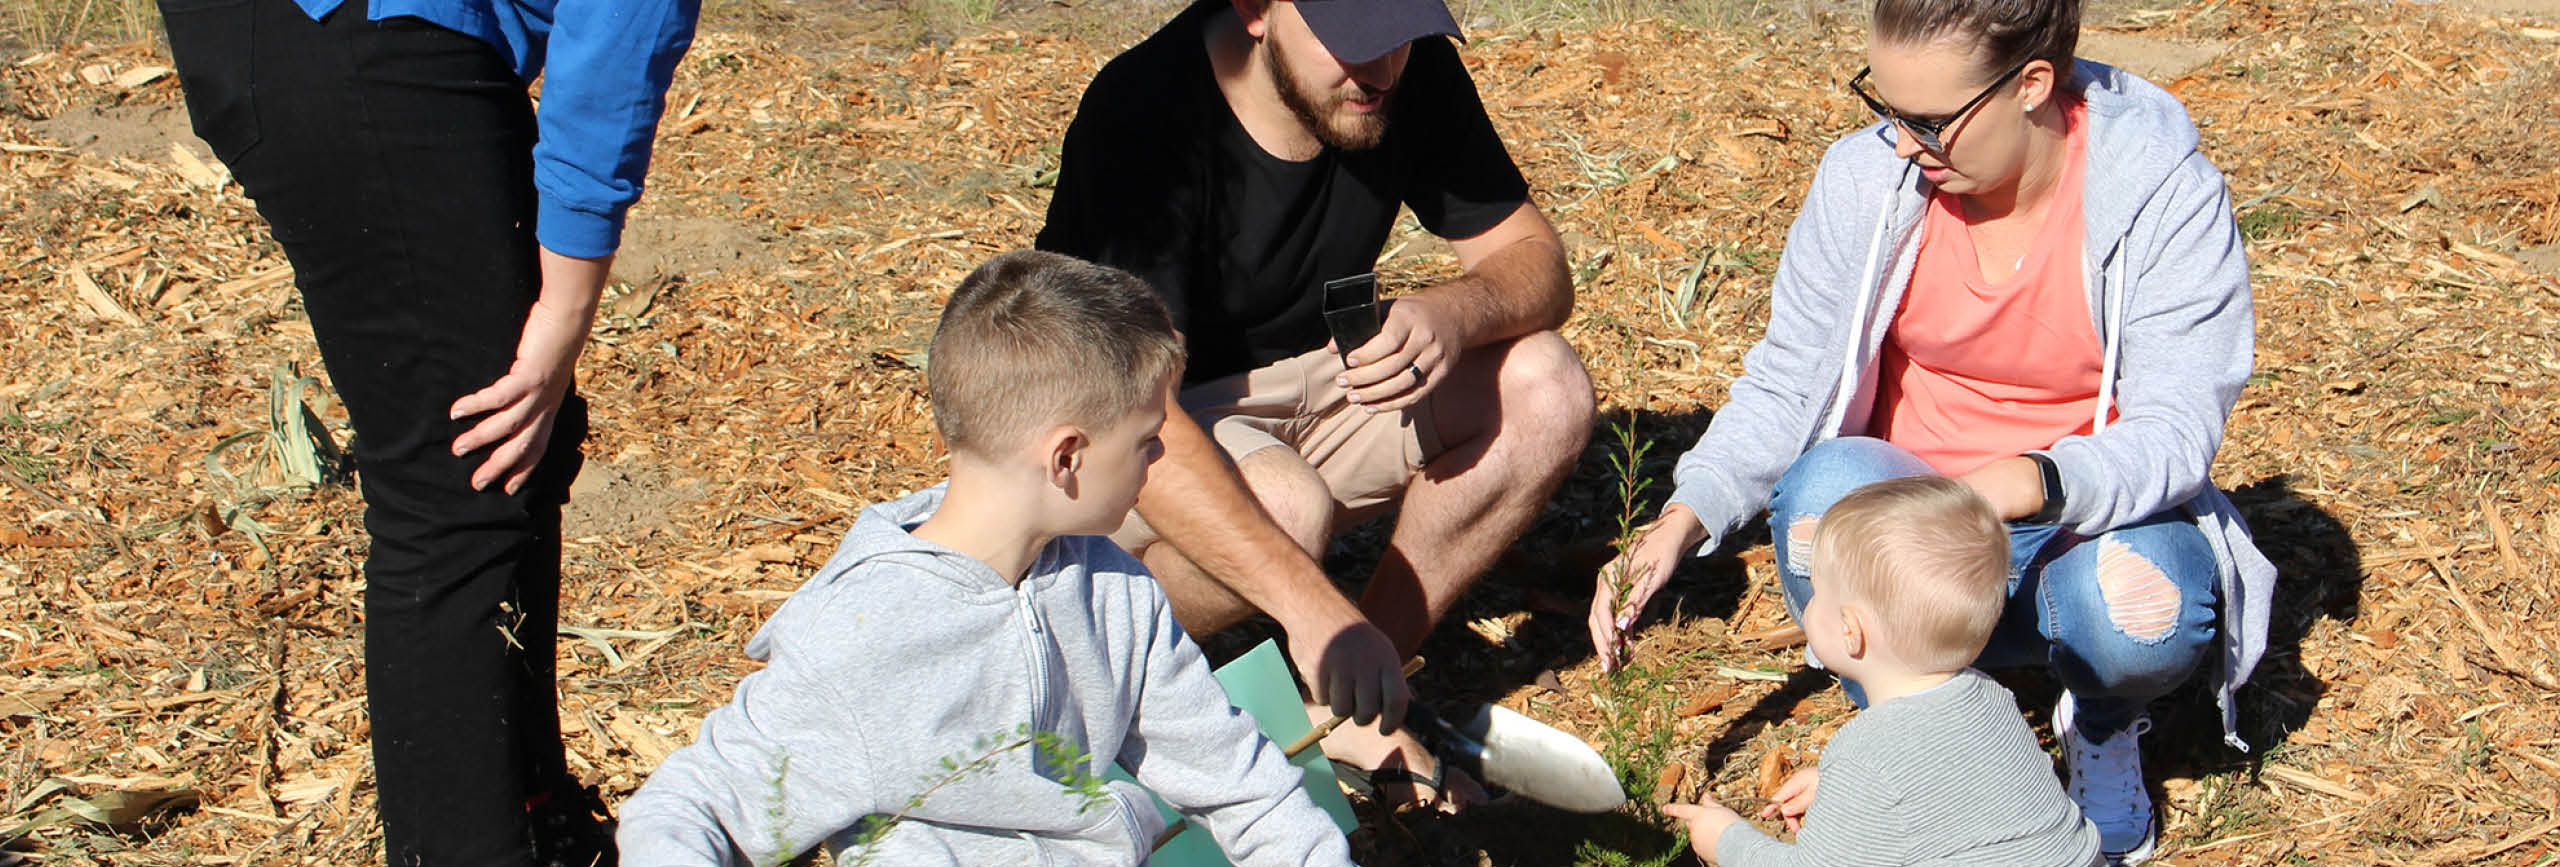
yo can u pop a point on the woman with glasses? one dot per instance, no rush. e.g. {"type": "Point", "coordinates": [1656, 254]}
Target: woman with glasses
{"type": "Point", "coordinates": [2025, 276]}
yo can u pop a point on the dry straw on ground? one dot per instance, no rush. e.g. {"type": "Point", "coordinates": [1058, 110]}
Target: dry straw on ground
{"type": "Point", "coordinates": [173, 624]}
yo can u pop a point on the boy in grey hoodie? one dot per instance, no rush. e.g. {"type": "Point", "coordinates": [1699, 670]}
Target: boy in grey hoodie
{"type": "Point", "coordinates": [976, 656]}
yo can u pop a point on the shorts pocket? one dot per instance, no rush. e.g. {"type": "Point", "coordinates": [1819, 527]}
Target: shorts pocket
{"type": "Point", "coordinates": [212, 40]}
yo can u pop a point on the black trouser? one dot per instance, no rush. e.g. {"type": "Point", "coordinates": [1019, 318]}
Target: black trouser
{"type": "Point", "coordinates": [392, 161]}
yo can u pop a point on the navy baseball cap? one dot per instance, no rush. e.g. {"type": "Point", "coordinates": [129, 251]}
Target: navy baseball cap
{"type": "Point", "coordinates": [1359, 31]}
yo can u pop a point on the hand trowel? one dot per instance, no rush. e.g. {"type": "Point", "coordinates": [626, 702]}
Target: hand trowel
{"type": "Point", "coordinates": [1530, 758]}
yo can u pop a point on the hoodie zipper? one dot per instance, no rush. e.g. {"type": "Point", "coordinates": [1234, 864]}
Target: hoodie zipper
{"type": "Point", "coordinates": [1033, 634]}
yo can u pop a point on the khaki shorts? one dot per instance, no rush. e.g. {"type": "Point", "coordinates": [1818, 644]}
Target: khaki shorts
{"type": "Point", "coordinates": [1367, 459]}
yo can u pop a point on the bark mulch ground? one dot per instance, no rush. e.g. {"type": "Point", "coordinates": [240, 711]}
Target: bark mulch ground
{"type": "Point", "coordinates": [179, 606]}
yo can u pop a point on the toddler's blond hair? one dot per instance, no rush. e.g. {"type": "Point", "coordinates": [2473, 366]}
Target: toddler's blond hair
{"type": "Point", "coordinates": [1928, 556]}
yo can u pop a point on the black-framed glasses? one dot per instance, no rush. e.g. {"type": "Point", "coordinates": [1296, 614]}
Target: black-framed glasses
{"type": "Point", "coordinates": [1927, 130]}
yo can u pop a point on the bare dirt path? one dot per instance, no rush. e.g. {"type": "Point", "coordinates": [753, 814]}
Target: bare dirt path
{"type": "Point", "coordinates": [2153, 58]}
{"type": "Point", "coordinates": [2547, 10]}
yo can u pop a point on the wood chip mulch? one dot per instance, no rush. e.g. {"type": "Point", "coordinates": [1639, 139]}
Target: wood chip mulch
{"type": "Point", "coordinates": [178, 617]}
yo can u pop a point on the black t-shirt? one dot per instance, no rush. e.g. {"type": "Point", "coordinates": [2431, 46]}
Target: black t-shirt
{"type": "Point", "coordinates": [1160, 179]}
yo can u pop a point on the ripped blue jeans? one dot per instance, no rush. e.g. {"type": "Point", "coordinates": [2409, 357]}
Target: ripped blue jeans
{"type": "Point", "coordinates": [2121, 619]}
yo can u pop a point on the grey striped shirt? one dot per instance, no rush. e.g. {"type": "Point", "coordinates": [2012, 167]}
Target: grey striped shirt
{"type": "Point", "coordinates": [1945, 776]}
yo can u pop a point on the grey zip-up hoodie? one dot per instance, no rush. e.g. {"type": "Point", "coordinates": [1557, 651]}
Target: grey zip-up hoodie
{"type": "Point", "coordinates": [901, 655]}
{"type": "Point", "coordinates": [2168, 290]}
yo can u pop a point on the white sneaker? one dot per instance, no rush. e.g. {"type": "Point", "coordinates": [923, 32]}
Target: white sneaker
{"type": "Point", "coordinates": [2106, 781]}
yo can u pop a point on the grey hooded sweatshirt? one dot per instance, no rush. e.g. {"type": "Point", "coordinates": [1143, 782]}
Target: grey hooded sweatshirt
{"type": "Point", "coordinates": [2168, 290]}
{"type": "Point", "coordinates": [901, 656]}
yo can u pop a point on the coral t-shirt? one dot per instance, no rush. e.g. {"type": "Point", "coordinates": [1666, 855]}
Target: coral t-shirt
{"type": "Point", "coordinates": [1975, 371]}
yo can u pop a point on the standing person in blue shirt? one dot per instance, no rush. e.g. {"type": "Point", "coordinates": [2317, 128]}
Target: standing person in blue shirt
{"type": "Point", "coordinates": [450, 245]}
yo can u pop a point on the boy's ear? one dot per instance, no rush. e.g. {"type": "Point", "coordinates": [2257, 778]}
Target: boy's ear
{"type": "Point", "coordinates": [1062, 454]}
{"type": "Point", "coordinates": [1853, 631]}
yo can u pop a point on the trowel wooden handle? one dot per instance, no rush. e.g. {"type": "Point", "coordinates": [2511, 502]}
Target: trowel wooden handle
{"type": "Point", "coordinates": [1325, 728]}
{"type": "Point", "coordinates": [1295, 747]}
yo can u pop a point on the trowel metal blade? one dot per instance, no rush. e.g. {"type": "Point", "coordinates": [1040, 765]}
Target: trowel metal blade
{"type": "Point", "coordinates": [1530, 758]}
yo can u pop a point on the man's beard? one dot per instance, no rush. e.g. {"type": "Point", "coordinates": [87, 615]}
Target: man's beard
{"type": "Point", "coordinates": [1326, 121]}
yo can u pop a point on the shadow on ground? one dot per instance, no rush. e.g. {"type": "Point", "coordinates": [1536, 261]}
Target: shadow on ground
{"type": "Point", "coordinates": [2320, 577]}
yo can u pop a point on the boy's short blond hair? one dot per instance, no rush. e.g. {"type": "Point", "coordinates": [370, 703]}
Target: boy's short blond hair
{"type": "Point", "coordinates": [1032, 340]}
{"type": "Point", "coordinates": [1928, 556]}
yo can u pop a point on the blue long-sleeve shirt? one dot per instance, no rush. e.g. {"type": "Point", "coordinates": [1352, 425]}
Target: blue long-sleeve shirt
{"type": "Point", "coordinates": [610, 63]}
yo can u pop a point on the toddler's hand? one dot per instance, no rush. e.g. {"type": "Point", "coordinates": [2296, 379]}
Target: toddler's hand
{"type": "Point", "coordinates": [1706, 820]}
{"type": "Point", "coordinates": [1793, 798]}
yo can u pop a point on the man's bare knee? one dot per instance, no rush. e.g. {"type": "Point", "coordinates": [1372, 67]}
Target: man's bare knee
{"type": "Point", "coordinates": [2140, 599]}
{"type": "Point", "coordinates": [1135, 535]}
{"type": "Point", "coordinates": [1544, 379]}
{"type": "Point", "coordinates": [1800, 543]}
{"type": "Point", "coordinates": [1292, 494]}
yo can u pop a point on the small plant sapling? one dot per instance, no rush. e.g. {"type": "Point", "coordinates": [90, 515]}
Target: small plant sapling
{"type": "Point", "coordinates": [1059, 759]}
{"type": "Point", "coordinates": [1628, 463]}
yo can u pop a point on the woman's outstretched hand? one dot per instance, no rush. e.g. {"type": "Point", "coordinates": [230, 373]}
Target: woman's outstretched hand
{"type": "Point", "coordinates": [522, 404]}
{"type": "Point", "coordinates": [1628, 582]}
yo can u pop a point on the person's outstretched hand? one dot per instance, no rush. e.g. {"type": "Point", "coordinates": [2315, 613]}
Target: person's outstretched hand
{"type": "Point", "coordinates": [1706, 820]}
{"type": "Point", "coordinates": [522, 404]}
{"type": "Point", "coordinates": [1644, 568]}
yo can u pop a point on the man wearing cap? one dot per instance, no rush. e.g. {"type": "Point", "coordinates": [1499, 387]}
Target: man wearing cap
{"type": "Point", "coordinates": [1239, 159]}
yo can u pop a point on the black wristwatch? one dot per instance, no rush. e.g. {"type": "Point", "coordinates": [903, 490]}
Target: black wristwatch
{"type": "Point", "coordinates": [2052, 510]}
